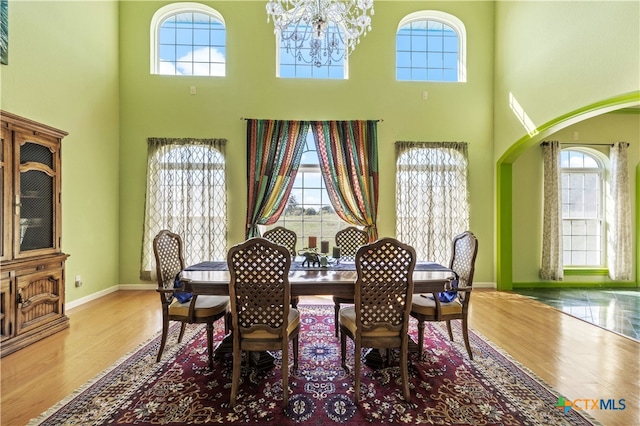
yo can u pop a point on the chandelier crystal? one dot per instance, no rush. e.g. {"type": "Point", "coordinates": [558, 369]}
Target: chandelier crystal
{"type": "Point", "coordinates": [320, 32]}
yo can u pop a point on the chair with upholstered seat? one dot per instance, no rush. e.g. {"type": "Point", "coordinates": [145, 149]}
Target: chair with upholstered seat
{"type": "Point", "coordinates": [430, 308]}
{"type": "Point", "coordinates": [262, 319]}
{"type": "Point", "coordinates": [167, 248]}
{"type": "Point", "coordinates": [349, 240]}
{"type": "Point", "coordinates": [287, 238]}
{"type": "Point", "coordinates": [380, 316]}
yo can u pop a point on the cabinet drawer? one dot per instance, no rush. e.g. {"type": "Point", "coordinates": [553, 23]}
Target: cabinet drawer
{"type": "Point", "coordinates": [32, 268]}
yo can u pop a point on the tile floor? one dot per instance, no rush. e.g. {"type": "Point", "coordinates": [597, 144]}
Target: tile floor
{"type": "Point", "coordinates": [617, 310]}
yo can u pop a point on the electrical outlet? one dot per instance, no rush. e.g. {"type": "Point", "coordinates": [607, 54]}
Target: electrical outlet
{"type": "Point", "coordinates": [78, 281]}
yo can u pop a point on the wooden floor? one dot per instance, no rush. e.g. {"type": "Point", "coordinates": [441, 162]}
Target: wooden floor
{"type": "Point", "coordinates": [579, 360]}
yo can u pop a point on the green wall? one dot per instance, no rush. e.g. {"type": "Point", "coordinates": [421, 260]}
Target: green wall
{"type": "Point", "coordinates": [63, 71]}
{"type": "Point", "coordinates": [154, 105]}
{"type": "Point", "coordinates": [556, 57]}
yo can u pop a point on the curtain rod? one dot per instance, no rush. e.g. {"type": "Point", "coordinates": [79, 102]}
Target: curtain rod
{"type": "Point", "coordinates": [245, 118]}
{"type": "Point", "coordinates": [583, 144]}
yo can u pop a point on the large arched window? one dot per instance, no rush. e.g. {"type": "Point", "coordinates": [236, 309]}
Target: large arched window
{"type": "Point", "coordinates": [186, 194]}
{"type": "Point", "coordinates": [431, 46]}
{"type": "Point", "coordinates": [583, 208]}
{"type": "Point", "coordinates": [188, 39]}
{"type": "Point", "coordinates": [431, 196]}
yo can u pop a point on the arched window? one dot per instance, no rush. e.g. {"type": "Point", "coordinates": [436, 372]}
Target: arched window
{"type": "Point", "coordinates": [187, 194]}
{"type": "Point", "coordinates": [188, 39]}
{"type": "Point", "coordinates": [583, 207]}
{"type": "Point", "coordinates": [431, 46]}
{"type": "Point", "coordinates": [431, 196]}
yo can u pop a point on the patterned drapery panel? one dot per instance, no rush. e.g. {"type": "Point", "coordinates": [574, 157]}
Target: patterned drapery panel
{"type": "Point", "coordinates": [619, 256]}
{"type": "Point", "coordinates": [552, 264]}
{"type": "Point", "coordinates": [348, 155]}
{"type": "Point", "coordinates": [274, 150]}
{"type": "Point", "coordinates": [431, 196]}
{"type": "Point", "coordinates": [186, 194]}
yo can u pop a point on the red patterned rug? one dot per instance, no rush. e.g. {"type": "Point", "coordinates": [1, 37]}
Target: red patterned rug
{"type": "Point", "coordinates": [447, 388]}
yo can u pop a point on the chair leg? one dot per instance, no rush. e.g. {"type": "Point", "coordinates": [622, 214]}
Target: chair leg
{"type": "Point", "coordinates": [465, 335]}
{"type": "Point", "coordinates": [182, 328]}
{"type": "Point", "coordinates": [210, 344]}
{"type": "Point", "coordinates": [285, 374]}
{"type": "Point", "coordinates": [336, 309]}
{"type": "Point", "coordinates": [357, 372]}
{"type": "Point", "coordinates": [295, 353]}
{"type": "Point", "coordinates": [163, 339]}
{"type": "Point", "coordinates": [343, 350]}
{"type": "Point", "coordinates": [294, 302]}
{"type": "Point", "coordinates": [421, 337]}
{"type": "Point", "coordinates": [235, 377]}
{"type": "Point", "coordinates": [404, 369]}
{"type": "Point", "coordinates": [449, 329]}
{"type": "Point", "coordinates": [227, 323]}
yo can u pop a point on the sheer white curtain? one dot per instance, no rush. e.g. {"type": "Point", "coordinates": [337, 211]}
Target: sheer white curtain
{"type": "Point", "coordinates": [552, 265]}
{"type": "Point", "coordinates": [186, 194]}
{"type": "Point", "coordinates": [431, 196]}
{"type": "Point", "coordinates": [619, 256]}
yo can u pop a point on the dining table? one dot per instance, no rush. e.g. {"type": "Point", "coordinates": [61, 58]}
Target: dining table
{"type": "Point", "coordinates": [336, 279]}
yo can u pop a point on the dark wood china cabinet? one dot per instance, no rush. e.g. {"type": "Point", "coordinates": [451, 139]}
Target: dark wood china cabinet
{"type": "Point", "coordinates": [31, 258]}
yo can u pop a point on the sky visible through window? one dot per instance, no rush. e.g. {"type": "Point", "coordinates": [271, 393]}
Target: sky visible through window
{"type": "Point", "coordinates": [192, 44]}
{"type": "Point", "coordinates": [309, 211]}
{"type": "Point", "coordinates": [427, 51]}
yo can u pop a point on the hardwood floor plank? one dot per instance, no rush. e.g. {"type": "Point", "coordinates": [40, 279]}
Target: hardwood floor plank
{"type": "Point", "coordinates": [577, 359]}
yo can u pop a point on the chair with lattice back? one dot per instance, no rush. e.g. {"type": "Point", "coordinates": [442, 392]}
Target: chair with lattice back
{"type": "Point", "coordinates": [349, 240]}
{"type": "Point", "coordinates": [287, 238]}
{"type": "Point", "coordinates": [176, 304]}
{"type": "Point", "coordinates": [429, 307]}
{"type": "Point", "coordinates": [380, 316]}
{"type": "Point", "coordinates": [262, 319]}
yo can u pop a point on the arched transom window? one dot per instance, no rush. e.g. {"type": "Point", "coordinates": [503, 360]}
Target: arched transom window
{"type": "Point", "coordinates": [188, 39]}
{"type": "Point", "coordinates": [431, 46]}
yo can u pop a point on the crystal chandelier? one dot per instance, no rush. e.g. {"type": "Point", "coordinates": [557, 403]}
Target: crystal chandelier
{"type": "Point", "coordinates": [320, 32]}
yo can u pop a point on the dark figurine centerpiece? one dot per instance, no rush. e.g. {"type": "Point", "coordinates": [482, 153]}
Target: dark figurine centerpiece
{"type": "Point", "coordinates": [313, 258]}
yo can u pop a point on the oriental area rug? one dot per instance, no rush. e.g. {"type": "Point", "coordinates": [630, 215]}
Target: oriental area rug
{"type": "Point", "coordinates": [447, 388]}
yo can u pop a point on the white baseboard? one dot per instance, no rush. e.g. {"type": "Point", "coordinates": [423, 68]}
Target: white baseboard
{"type": "Point", "coordinates": [485, 285]}
{"type": "Point", "coordinates": [99, 294]}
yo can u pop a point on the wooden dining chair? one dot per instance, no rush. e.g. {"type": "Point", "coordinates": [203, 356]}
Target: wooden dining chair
{"type": "Point", "coordinates": [177, 305]}
{"type": "Point", "coordinates": [429, 307]}
{"type": "Point", "coordinates": [287, 238]}
{"type": "Point", "coordinates": [262, 319]}
{"type": "Point", "coordinates": [380, 316]}
{"type": "Point", "coordinates": [349, 240]}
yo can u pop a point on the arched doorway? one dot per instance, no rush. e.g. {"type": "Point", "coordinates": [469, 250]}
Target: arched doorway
{"type": "Point", "coordinates": [504, 231]}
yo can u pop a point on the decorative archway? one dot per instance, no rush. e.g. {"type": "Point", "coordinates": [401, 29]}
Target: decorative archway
{"type": "Point", "coordinates": [504, 231]}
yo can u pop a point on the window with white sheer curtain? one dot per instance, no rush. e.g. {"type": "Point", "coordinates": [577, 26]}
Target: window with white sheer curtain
{"type": "Point", "coordinates": [431, 196]}
{"type": "Point", "coordinates": [596, 222]}
{"type": "Point", "coordinates": [186, 194]}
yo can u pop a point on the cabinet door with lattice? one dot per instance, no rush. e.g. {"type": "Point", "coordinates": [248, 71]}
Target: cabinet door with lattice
{"type": "Point", "coordinates": [38, 194]}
